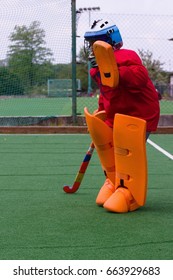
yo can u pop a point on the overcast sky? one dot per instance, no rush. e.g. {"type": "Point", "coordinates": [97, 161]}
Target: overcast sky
{"type": "Point", "coordinates": [55, 16]}
{"type": "Point", "coordinates": [152, 7]}
{"type": "Point", "coordinates": [144, 24]}
{"type": "Point", "coordinates": [108, 6]}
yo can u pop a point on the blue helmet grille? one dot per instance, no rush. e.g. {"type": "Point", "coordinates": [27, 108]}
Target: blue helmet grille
{"type": "Point", "coordinates": [110, 35]}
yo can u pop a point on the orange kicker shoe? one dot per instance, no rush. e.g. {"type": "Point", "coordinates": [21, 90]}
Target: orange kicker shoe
{"type": "Point", "coordinates": [105, 192]}
{"type": "Point", "coordinates": [121, 201]}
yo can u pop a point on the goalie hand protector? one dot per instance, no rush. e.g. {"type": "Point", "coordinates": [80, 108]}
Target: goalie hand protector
{"type": "Point", "coordinates": [92, 58]}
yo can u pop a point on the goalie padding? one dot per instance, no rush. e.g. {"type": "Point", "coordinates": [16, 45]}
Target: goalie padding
{"type": "Point", "coordinates": [102, 137]}
{"type": "Point", "coordinates": [129, 134]}
{"type": "Point", "coordinates": [106, 62]}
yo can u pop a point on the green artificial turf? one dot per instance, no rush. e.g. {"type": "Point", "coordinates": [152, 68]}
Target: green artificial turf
{"type": "Point", "coordinates": [41, 222]}
{"type": "Point", "coordinates": [57, 106]}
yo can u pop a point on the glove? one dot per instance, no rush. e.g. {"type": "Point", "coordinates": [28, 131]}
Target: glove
{"type": "Point", "coordinates": [92, 59]}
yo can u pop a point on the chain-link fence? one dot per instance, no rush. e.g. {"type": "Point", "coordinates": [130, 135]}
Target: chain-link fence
{"type": "Point", "coordinates": [36, 48]}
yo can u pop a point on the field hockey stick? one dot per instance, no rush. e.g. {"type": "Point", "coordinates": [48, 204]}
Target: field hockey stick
{"type": "Point", "coordinates": [81, 172]}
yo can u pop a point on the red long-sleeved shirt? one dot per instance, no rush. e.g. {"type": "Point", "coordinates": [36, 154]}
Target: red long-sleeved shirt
{"type": "Point", "coordinates": [135, 95]}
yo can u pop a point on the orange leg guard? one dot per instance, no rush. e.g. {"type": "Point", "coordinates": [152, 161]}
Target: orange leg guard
{"type": "Point", "coordinates": [131, 164]}
{"type": "Point", "coordinates": [102, 137]}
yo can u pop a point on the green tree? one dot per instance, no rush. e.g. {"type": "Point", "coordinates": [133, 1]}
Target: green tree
{"type": "Point", "coordinates": [154, 67]}
{"type": "Point", "coordinates": [62, 71]}
{"type": "Point", "coordinates": [28, 56]}
{"type": "Point", "coordinates": [82, 70]}
{"type": "Point", "coordinates": [9, 83]}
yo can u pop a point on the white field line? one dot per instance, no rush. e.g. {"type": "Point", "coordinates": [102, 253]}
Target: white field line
{"type": "Point", "coordinates": [160, 149]}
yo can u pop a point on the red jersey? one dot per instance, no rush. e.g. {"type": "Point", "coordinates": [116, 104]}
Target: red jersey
{"type": "Point", "coordinates": [135, 95]}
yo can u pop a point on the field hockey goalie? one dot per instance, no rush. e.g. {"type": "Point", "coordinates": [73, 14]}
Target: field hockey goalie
{"type": "Point", "coordinates": [122, 154]}
{"type": "Point", "coordinates": [131, 103]}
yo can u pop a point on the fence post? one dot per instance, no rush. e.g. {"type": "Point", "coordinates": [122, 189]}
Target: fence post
{"type": "Point", "coordinates": [74, 111]}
